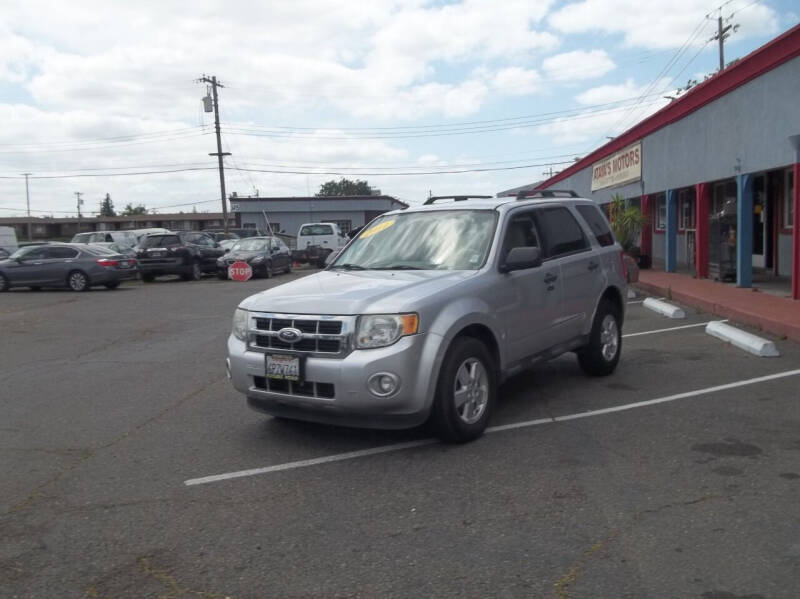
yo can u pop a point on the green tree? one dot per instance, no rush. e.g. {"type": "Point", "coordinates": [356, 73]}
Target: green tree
{"type": "Point", "coordinates": [626, 222]}
{"type": "Point", "coordinates": [131, 210]}
{"type": "Point", "coordinates": [107, 207]}
{"type": "Point", "coordinates": [345, 187]}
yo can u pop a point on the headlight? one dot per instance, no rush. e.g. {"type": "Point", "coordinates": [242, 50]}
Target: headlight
{"type": "Point", "coordinates": [380, 330]}
{"type": "Point", "coordinates": [257, 260]}
{"type": "Point", "coordinates": [240, 324]}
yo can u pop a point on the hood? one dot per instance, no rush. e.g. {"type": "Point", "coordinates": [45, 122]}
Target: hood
{"type": "Point", "coordinates": [355, 292]}
{"type": "Point", "coordinates": [243, 254]}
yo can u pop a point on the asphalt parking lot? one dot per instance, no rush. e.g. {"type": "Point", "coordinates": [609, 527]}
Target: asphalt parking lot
{"type": "Point", "coordinates": [132, 469]}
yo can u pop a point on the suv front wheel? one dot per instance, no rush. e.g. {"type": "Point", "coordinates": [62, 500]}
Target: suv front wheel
{"type": "Point", "coordinates": [466, 392]}
{"type": "Point", "coordinates": [600, 356]}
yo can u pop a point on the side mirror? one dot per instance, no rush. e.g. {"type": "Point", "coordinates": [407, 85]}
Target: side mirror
{"type": "Point", "coordinates": [227, 250]}
{"type": "Point", "coordinates": [332, 256]}
{"type": "Point", "coordinates": [520, 258]}
{"type": "Point", "coordinates": [275, 248]}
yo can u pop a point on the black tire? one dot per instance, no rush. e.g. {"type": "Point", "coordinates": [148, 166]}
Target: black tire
{"type": "Point", "coordinates": [147, 277]}
{"type": "Point", "coordinates": [111, 285]}
{"type": "Point", "coordinates": [268, 270]}
{"type": "Point", "coordinates": [288, 269]}
{"type": "Point", "coordinates": [449, 423]}
{"type": "Point", "coordinates": [195, 274]}
{"type": "Point", "coordinates": [5, 285]}
{"type": "Point", "coordinates": [600, 356]}
{"type": "Point", "coordinates": [77, 280]}
{"type": "Point", "coordinates": [222, 276]}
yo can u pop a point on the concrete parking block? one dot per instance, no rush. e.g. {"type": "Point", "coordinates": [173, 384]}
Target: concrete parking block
{"type": "Point", "coordinates": [758, 346]}
{"type": "Point", "coordinates": [663, 308]}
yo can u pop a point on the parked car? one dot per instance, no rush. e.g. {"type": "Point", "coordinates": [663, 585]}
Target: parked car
{"type": "Point", "coordinates": [227, 244]}
{"type": "Point", "coordinates": [429, 309]}
{"type": "Point", "coordinates": [75, 266]}
{"type": "Point", "coordinates": [315, 241]}
{"type": "Point", "coordinates": [265, 255]}
{"type": "Point", "coordinates": [121, 237]}
{"type": "Point", "coordinates": [221, 235]}
{"type": "Point", "coordinates": [117, 248]}
{"type": "Point", "coordinates": [186, 253]}
{"type": "Point", "coordinates": [8, 240]}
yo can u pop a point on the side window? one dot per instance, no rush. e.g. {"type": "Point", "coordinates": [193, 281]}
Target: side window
{"type": "Point", "coordinates": [61, 252]}
{"type": "Point", "coordinates": [520, 232]}
{"type": "Point", "coordinates": [560, 231]}
{"type": "Point", "coordinates": [597, 223]}
{"type": "Point", "coordinates": [37, 254]}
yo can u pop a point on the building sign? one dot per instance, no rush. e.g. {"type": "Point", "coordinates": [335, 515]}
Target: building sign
{"type": "Point", "coordinates": [620, 168]}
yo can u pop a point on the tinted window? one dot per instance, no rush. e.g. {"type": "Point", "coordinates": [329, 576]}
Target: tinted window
{"type": "Point", "coordinates": [597, 223]}
{"type": "Point", "coordinates": [560, 231]}
{"type": "Point", "coordinates": [160, 241]}
{"type": "Point", "coordinates": [36, 254]}
{"type": "Point", "coordinates": [61, 252]}
{"type": "Point", "coordinates": [316, 230]}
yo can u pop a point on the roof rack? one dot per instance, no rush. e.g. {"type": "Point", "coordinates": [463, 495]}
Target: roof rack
{"type": "Point", "coordinates": [432, 199]}
{"type": "Point", "coordinates": [547, 193]}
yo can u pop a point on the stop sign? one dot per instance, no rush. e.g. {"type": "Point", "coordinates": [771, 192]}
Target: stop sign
{"type": "Point", "coordinates": [240, 271]}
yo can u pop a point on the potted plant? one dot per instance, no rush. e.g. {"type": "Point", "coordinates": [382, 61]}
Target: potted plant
{"type": "Point", "coordinates": [626, 222]}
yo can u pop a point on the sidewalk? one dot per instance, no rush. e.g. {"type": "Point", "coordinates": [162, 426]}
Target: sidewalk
{"type": "Point", "coordinates": [777, 315]}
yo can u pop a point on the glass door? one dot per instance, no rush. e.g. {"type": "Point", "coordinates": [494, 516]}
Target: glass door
{"type": "Point", "coordinates": [759, 221]}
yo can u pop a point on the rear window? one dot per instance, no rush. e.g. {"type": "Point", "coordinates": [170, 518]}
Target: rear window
{"type": "Point", "coordinates": [82, 238]}
{"type": "Point", "coordinates": [160, 241]}
{"type": "Point", "coordinates": [597, 223]}
{"type": "Point", "coordinates": [316, 230]}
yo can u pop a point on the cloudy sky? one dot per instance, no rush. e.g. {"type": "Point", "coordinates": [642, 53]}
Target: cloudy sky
{"type": "Point", "coordinates": [101, 97]}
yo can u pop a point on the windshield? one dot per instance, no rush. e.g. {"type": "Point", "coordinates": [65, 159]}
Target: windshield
{"type": "Point", "coordinates": [439, 240]}
{"type": "Point", "coordinates": [251, 245]}
{"type": "Point", "coordinates": [316, 230]}
{"type": "Point", "coordinates": [82, 238]}
{"type": "Point", "coordinates": [160, 241]}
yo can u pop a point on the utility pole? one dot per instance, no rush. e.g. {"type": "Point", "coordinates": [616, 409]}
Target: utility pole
{"type": "Point", "coordinates": [219, 153]}
{"type": "Point", "coordinates": [723, 33]}
{"type": "Point", "coordinates": [28, 202]}
{"type": "Point", "coordinates": [549, 173]}
{"type": "Point", "coordinates": [78, 195]}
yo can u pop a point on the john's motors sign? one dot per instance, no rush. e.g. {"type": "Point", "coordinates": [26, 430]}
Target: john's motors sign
{"type": "Point", "coordinates": [620, 168]}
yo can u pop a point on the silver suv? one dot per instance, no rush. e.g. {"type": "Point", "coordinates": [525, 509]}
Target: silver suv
{"type": "Point", "coordinates": [429, 309]}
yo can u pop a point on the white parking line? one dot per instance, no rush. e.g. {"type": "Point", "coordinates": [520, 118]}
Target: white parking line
{"type": "Point", "coordinates": [685, 326]}
{"type": "Point", "coordinates": [352, 455]}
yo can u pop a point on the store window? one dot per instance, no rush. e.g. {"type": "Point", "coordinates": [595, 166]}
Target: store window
{"type": "Point", "coordinates": [686, 210]}
{"type": "Point", "coordinates": [661, 212]}
{"type": "Point", "coordinates": [788, 200]}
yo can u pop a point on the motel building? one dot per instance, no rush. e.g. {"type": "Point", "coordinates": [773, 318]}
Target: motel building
{"type": "Point", "coordinates": [715, 173]}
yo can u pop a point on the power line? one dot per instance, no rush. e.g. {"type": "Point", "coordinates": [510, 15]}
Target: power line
{"type": "Point", "coordinates": [130, 137]}
{"type": "Point", "coordinates": [82, 148]}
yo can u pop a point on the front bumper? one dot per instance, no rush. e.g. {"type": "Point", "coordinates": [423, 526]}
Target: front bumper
{"type": "Point", "coordinates": [348, 401]}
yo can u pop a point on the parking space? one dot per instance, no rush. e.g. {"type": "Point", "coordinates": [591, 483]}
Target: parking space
{"type": "Point", "coordinates": [583, 487]}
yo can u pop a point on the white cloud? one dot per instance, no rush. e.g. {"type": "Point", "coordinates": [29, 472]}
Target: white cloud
{"type": "Point", "coordinates": [604, 94]}
{"type": "Point", "coordinates": [578, 65]}
{"type": "Point", "coordinates": [517, 81]}
{"type": "Point", "coordinates": [657, 23]}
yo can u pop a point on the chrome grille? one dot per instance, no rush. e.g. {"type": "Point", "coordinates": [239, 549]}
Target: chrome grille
{"type": "Point", "coordinates": [325, 336]}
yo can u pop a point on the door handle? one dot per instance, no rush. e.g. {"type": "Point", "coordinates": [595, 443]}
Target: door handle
{"type": "Point", "coordinates": [550, 278]}
{"type": "Point", "coordinates": [593, 266]}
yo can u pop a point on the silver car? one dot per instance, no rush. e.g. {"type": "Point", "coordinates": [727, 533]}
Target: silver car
{"type": "Point", "coordinates": [429, 309]}
{"type": "Point", "coordinates": [76, 266]}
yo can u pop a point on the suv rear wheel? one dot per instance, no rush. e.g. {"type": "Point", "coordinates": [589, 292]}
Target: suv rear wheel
{"type": "Point", "coordinates": [466, 392]}
{"type": "Point", "coordinates": [601, 355]}
{"type": "Point", "coordinates": [195, 274]}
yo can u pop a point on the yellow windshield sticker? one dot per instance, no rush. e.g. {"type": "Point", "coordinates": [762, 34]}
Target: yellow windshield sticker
{"type": "Point", "coordinates": [377, 228]}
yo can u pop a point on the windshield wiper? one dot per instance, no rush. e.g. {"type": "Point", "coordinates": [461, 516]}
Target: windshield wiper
{"type": "Point", "coordinates": [348, 266]}
{"type": "Point", "coordinates": [398, 267]}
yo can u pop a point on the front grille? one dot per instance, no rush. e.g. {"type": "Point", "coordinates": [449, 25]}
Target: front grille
{"type": "Point", "coordinates": [324, 335]}
{"type": "Point", "coordinates": [303, 389]}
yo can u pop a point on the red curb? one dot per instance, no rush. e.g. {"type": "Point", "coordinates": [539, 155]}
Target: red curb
{"type": "Point", "coordinates": [777, 315]}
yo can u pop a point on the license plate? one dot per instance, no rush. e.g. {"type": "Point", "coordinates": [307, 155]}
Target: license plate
{"type": "Point", "coordinates": [284, 368]}
{"type": "Point", "coordinates": [156, 254]}
{"type": "Point", "coordinates": [124, 264]}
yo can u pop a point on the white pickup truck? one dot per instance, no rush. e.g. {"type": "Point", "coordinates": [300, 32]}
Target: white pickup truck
{"type": "Point", "coordinates": [317, 240]}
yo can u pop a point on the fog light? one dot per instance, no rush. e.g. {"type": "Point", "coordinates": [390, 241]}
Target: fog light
{"type": "Point", "coordinates": [383, 384]}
